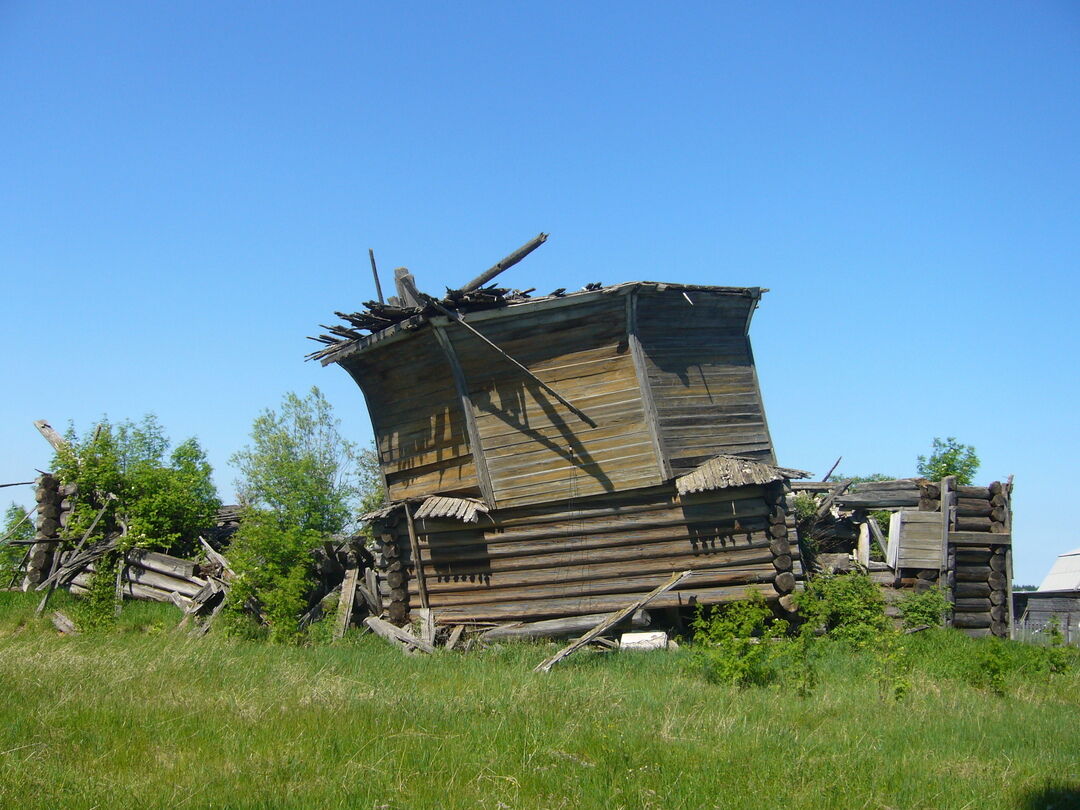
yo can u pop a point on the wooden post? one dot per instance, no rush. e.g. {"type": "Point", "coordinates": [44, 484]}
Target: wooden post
{"type": "Point", "coordinates": [418, 563]}
{"type": "Point", "coordinates": [348, 596]}
{"type": "Point", "coordinates": [862, 553]}
{"type": "Point", "coordinates": [375, 273]}
{"type": "Point", "coordinates": [1007, 489]}
{"type": "Point", "coordinates": [948, 518]}
{"type": "Point", "coordinates": [647, 401]}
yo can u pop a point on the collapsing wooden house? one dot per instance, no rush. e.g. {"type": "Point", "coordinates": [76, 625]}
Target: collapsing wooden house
{"type": "Point", "coordinates": [559, 455]}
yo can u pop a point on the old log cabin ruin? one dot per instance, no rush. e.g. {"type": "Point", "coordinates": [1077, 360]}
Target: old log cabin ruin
{"type": "Point", "coordinates": [561, 456]}
{"type": "Point", "coordinates": [556, 463]}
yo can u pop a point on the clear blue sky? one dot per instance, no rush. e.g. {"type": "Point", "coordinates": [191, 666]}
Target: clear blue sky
{"type": "Point", "coordinates": [188, 189]}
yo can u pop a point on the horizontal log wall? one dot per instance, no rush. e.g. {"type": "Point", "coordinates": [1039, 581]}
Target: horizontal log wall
{"type": "Point", "coordinates": [701, 376]}
{"type": "Point", "coordinates": [596, 556]}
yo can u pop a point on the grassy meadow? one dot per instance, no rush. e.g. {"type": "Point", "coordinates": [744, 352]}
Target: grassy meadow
{"type": "Point", "coordinates": [143, 716]}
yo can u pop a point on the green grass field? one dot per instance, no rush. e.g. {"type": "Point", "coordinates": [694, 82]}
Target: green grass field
{"type": "Point", "coordinates": [145, 717]}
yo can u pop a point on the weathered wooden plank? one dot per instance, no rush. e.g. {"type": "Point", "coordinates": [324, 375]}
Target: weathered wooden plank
{"type": "Point", "coordinates": [345, 605]}
{"type": "Point", "coordinates": [612, 620]}
{"type": "Point", "coordinates": [558, 628]}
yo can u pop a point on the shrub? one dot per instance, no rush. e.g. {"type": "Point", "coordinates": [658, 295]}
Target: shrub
{"type": "Point", "coordinates": [274, 567]}
{"type": "Point", "coordinates": [164, 498]}
{"type": "Point", "coordinates": [737, 643]}
{"type": "Point", "coordinates": [926, 608]}
{"type": "Point", "coordinates": [299, 466]}
{"type": "Point", "coordinates": [846, 607]}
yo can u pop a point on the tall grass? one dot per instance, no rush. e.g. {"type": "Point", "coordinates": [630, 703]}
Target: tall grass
{"type": "Point", "coordinates": [147, 717]}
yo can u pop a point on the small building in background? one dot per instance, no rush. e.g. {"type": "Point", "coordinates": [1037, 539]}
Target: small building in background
{"type": "Point", "coordinates": [1057, 596]}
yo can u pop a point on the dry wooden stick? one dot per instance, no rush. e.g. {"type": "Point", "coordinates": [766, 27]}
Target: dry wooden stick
{"type": "Point", "coordinates": [610, 621]}
{"type": "Point", "coordinates": [16, 484]}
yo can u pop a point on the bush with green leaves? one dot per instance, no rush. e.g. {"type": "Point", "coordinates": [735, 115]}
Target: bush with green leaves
{"type": "Point", "coordinates": [164, 498]}
{"type": "Point", "coordinates": [274, 565]}
{"type": "Point", "coordinates": [926, 609]}
{"type": "Point", "coordinates": [734, 643]}
{"type": "Point", "coordinates": [949, 457]}
{"type": "Point", "coordinates": [848, 607]}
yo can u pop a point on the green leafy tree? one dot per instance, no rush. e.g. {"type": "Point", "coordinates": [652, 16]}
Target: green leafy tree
{"type": "Point", "coordinates": [949, 457]}
{"type": "Point", "coordinates": [19, 530]}
{"type": "Point", "coordinates": [164, 498]}
{"type": "Point", "coordinates": [300, 467]}
{"type": "Point", "coordinates": [300, 481]}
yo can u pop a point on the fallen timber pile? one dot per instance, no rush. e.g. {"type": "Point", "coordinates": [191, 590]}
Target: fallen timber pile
{"type": "Point", "coordinates": [941, 534]}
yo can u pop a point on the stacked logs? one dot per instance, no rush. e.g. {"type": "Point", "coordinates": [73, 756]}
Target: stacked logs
{"type": "Point", "coordinates": [54, 505]}
{"type": "Point", "coordinates": [929, 496]}
{"type": "Point", "coordinates": [781, 530]}
{"type": "Point", "coordinates": [979, 575]}
{"type": "Point", "coordinates": [152, 576]}
{"type": "Point", "coordinates": [391, 563]}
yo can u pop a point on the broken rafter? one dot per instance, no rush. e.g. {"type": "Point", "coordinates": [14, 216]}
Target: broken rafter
{"type": "Point", "coordinates": [506, 263]}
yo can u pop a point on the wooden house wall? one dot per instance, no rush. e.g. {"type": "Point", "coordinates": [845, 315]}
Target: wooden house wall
{"type": "Point", "coordinates": [596, 556]}
{"type": "Point", "coordinates": [419, 424]}
{"type": "Point", "coordinates": [700, 372]}
{"type": "Point", "coordinates": [534, 448]}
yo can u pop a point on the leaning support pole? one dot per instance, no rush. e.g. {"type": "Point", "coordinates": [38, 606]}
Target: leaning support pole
{"type": "Point", "coordinates": [611, 620]}
{"type": "Point", "coordinates": [504, 264]}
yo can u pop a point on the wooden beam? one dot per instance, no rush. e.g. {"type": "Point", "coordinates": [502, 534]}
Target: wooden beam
{"type": "Point", "coordinates": [57, 441]}
{"type": "Point", "coordinates": [418, 564]}
{"type": "Point", "coordinates": [652, 419]}
{"type": "Point", "coordinates": [476, 447]}
{"type": "Point", "coordinates": [397, 635]}
{"type": "Point", "coordinates": [610, 621]}
{"type": "Point", "coordinates": [375, 273]}
{"type": "Point", "coordinates": [505, 263]}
